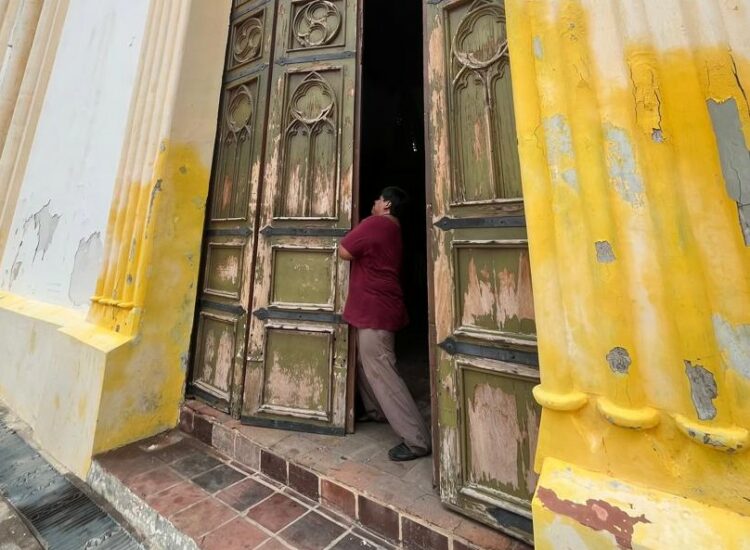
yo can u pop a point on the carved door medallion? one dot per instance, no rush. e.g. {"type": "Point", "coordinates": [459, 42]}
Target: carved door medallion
{"type": "Point", "coordinates": [486, 359]}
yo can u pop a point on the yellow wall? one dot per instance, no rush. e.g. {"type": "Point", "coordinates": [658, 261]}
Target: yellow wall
{"type": "Point", "coordinates": [634, 129]}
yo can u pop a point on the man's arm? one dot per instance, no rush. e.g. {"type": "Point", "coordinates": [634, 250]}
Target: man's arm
{"type": "Point", "coordinates": [344, 254]}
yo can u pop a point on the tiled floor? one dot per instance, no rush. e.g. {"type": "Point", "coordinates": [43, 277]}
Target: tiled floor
{"type": "Point", "coordinates": [353, 476]}
{"type": "Point", "coordinates": [223, 505]}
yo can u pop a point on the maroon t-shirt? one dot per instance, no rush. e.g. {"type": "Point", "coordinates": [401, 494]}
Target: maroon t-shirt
{"type": "Point", "coordinates": [375, 298]}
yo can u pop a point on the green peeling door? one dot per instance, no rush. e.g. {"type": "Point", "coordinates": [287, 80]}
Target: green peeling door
{"type": "Point", "coordinates": [486, 360]}
{"type": "Point", "coordinates": [229, 240]}
{"type": "Point", "coordinates": [296, 370]}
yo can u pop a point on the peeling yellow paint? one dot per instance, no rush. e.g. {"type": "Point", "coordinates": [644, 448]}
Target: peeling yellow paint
{"type": "Point", "coordinates": [626, 107]}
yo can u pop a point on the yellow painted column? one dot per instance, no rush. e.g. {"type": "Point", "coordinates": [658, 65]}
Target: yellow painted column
{"type": "Point", "coordinates": [146, 290]}
{"type": "Point", "coordinates": [634, 130]}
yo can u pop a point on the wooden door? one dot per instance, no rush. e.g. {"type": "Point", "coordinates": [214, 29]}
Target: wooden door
{"type": "Point", "coordinates": [486, 362]}
{"type": "Point", "coordinates": [298, 345]}
{"type": "Point", "coordinates": [229, 240]}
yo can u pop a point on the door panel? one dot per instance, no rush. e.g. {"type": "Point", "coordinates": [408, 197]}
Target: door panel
{"type": "Point", "coordinates": [218, 363]}
{"type": "Point", "coordinates": [298, 345]}
{"type": "Point", "coordinates": [486, 362]}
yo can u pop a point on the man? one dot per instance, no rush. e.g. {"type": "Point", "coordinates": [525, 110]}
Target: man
{"type": "Point", "coordinates": [375, 306]}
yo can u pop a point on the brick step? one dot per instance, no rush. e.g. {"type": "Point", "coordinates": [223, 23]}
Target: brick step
{"type": "Point", "coordinates": [351, 475]}
{"type": "Point", "coordinates": [180, 493]}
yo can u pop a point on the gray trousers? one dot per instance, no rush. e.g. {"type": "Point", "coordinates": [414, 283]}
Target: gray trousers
{"type": "Point", "coordinates": [383, 391]}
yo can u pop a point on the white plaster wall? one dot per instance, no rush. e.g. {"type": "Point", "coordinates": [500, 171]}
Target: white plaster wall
{"type": "Point", "coordinates": [55, 247]}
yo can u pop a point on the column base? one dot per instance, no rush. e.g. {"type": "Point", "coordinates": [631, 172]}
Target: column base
{"type": "Point", "coordinates": [579, 509]}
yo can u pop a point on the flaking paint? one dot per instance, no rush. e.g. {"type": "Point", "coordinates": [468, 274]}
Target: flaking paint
{"type": "Point", "coordinates": [634, 81]}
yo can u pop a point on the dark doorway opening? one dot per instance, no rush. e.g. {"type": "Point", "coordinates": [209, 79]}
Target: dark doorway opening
{"type": "Point", "coordinates": [392, 153]}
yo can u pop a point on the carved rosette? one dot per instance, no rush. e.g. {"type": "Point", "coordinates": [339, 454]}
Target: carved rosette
{"type": "Point", "coordinates": [247, 41]}
{"type": "Point", "coordinates": [316, 24]}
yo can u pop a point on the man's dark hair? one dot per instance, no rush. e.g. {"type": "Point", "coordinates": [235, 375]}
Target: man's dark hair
{"type": "Point", "coordinates": [398, 199]}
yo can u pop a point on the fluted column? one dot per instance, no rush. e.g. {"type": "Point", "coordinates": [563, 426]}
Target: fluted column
{"type": "Point", "coordinates": [121, 284]}
{"type": "Point", "coordinates": [634, 131]}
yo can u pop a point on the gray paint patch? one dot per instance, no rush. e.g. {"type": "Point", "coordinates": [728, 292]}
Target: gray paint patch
{"type": "Point", "coordinates": [657, 136]}
{"type": "Point", "coordinates": [85, 269]}
{"type": "Point", "coordinates": [536, 44]}
{"type": "Point", "coordinates": [621, 165]}
{"type": "Point", "coordinates": [604, 252]}
{"type": "Point", "coordinates": [735, 158]}
{"type": "Point", "coordinates": [560, 147]}
{"type": "Point", "coordinates": [703, 390]}
{"type": "Point", "coordinates": [619, 360]}
{"type": "Point", "coordinates": [571, 177]}
{"type": "Point", "coordinates": [45, 225]}
{"type": "Point", "coordinates": [734, 342]}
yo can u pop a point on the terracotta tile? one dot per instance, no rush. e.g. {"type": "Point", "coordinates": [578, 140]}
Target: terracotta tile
{"type": "Point", "coordinates": [458, 545]}
{"type": "Point", "coordinates": [273, 466]}
{"type": "Point", "coordinates": [377, 517]}
{"type": "Point", "coordinates": [165, 439]}
{"type": "Point", "coordinates": [372, 538]}
{"type": "Point", "coordinates": [245, 494]}
{"type": "Point", "coordinates": [203, 429]}
{"type": "Point", "coordinates": [428, 509]}
{"type": "Point", "coordinates": [482, 536]}
{"type": "Point", "coordinates": [421, 475]}
{"type": "Point", "coordinates": [390, 489]}
{"type": "Point", "coordinates": [333, 516]}
{"type": "Point", "coordinates": [238, 534]}
{"type": "Point", "coordinates": [176, 498]}
{"type": "Point", "coordinates": [312, 532]}
{"type": "Point", "coordinates": [276, 512]}
{"type": "Point", "coordinates": [154, 481]}
{"type": "Point", "coordinates": [273, 544]}
{"type": "Point", "coordinates": [270, 482]}
{"type": "Point", "coordinates": [218, 478]}
{"type": "Point", "coordinates": [195, 464]}
{"type": "Point", "coordinates": [243, 468]}
{"type": "Point", "coordinates": [353, 542]}
{"type": "Point", "coordinates": [303, 481]}
{"type": "Point", "coordinates": [128, 462]}
{"type": "Point", "coordinates": [310, 503]}
{"type": "Point", "coordinates": [338, 497]}
{"type": "Point", "coordinates": [202, 517]}
{"type": "Point", "coordinates": [223, 440]}
{"type": "Point", "coordinates": [415, 536]}
{"type": "Point", "coordinates": [176, 451]}
{"type": "Point", "coordinates": [247, 452]}
{"type": "Point", "coordinates": [355, 475]}
{"type": "Point", "coordinates": [186, 420]}
{"type": "Point", "coordinates": [263, 437]}
{"type": "Point", "coordinates": [297, 444]}
{"type": "Point", "coordinates": [322, 461]}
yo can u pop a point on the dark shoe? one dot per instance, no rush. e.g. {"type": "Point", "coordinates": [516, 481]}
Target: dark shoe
{"type": "Point", "coordinates": [402, 453]}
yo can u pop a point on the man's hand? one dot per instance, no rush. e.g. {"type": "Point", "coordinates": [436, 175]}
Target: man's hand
{"type": "Point", "coordinates": [344, 254]}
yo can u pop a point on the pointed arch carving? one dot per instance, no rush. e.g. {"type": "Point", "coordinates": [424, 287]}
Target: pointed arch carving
{"type": "Point", "coordinates": [483, 134]}
{"type": "Point", "coordinates": [310, 148]}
